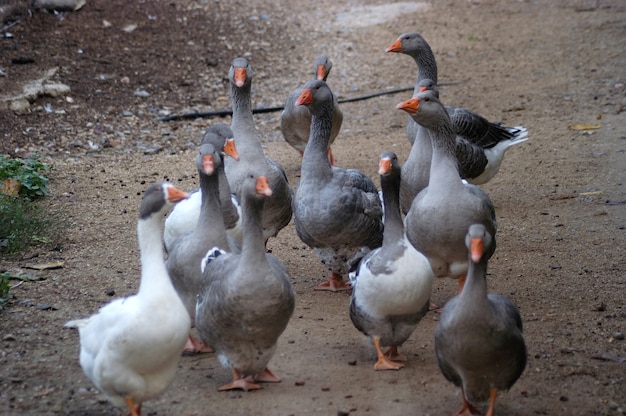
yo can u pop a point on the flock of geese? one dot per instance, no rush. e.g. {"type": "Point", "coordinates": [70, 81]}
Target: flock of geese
{"type": "Point", "coordinates": [431, 221]}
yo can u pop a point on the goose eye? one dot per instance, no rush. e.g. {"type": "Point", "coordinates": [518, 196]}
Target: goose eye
{"type": "Point", "coordinates": [426, 99]}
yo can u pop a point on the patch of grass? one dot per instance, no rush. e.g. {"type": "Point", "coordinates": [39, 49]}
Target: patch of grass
{"type": "Point", "coordinates": [4, 289]}
{"type": "Point", "coordinates": [23, 223]}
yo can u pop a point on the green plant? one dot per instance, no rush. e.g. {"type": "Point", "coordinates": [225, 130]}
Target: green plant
{"type": "Point", "coordinates": [30, 172]}
{"type": "Point", "coordinates": [22, 222]}
{"type": "Point", "coordinates": [4, 289]}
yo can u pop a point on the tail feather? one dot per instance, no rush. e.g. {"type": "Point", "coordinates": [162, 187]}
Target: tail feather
{"type": "Point", "coordinates": [520, 134]}
{"type": "Point", "coordinates": [76, 323]}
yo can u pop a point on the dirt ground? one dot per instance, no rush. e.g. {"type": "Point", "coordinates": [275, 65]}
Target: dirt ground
{"type": "Point", "coordinates": [560, 197]}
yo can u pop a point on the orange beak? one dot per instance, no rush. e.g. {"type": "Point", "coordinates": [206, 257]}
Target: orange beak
{"type": "Point", "coordinates": [263, 186]}
{"type": "Point", "coordinates": [476, 249]}
{"type": "Point", "coordinates": [208, 164]}
{"type": "Point", "coordinates": [240, 77]}
{"type": "Point", "coordinates": [422, 89]}
{"type": "Point", "coordinates": [410, 106]}
{"type": "Point", "coordinates": [321, 72]}
{"type": "Point", "coordinates": [384, 166]}
{"type": "Point", "coordinates": [305, 98]}
{"type": "Point", "coordinates": [176, 195]}
{"type": "Point", "coordinates": [230, 149]}
{"type": "Point", "coordinates": [395, 47]}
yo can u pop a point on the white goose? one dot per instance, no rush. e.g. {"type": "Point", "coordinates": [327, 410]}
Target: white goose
{"type": "Point", "coordinates": [130, 349]}
{"type": "Point", "coordinates": [391, 287]}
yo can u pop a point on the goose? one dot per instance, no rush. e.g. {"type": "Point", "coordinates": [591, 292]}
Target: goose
{"type": "Point", "coordinates": [480, 144]}
{"type": "Point", "coordinates": [391, 286]}
{"type": "Point", "coordinates": [277, 211]}
{"type": "Point", "coordinates": [479, 158]}
{"type": "Point", "coordinates": [184, 216]}
{"type": "Point", "coordinates": [337, 212]}
{"type": "Point", "coordinates": [130, 349]}
{"type": "Point", "coordinates": [478, 342]}
{"type": "Point", "coordinates": [295, 121]}
{"type": "Point", "coordinates": [247, 300]}
{"type": "Point", "coordinates": [184, 261]}
{"type": "Point", "coordinates": [441, 213]}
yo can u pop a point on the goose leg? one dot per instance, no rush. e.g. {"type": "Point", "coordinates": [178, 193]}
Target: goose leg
{"type": "Point", "coordinates": [239, 382]}
{"type": "Point", "coordinates": [331, 157]}
{"type": "Point", "coordinates": [196, 347]}
{"type": "Point", "coordinates": [267, 376]}
{"type": "Point", "coordinates": [492, 401]}
{"type": "Point", "coordinates": [461, 283]}
{"type": "Point", "coordinates": [334, 284]}
{"type": "Point", "coordinates": [393, 354]}
{"type": "Point", "coordinates": [383, 362]}
{"type": "Point", "coordinates": [135, 410]}
{"type": "Point", "coordinates": [467, 409]}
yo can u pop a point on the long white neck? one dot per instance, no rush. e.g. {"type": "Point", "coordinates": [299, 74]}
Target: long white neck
{"type": "Point", "coordinates": [154, 276]}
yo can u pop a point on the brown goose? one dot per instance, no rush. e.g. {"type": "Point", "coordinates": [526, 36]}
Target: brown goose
{"type": "Point", "coordinates": [295, 121]}
{"type": "Point", "coordinates": [277, 209]}
{"type": "Point", "coordinates": [247, 299]}
{"type": "Point", "coordinates": [478, 341]}
{"type": "Point", "coordinates": [391, 287]}
{"type": "Point", "coordinates": [440, 215]}
{"type": "Point", "coordinates": [184, 260]}
{"type": "Point", "coordinates": [337, 211]}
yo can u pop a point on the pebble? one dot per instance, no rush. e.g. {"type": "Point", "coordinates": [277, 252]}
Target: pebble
{"type": "Point", "coordinates": [619, 336]}
{"type": "Point", "coordinates": [142, 93]}
{"type": "Point", "coordinates": [127, 113]}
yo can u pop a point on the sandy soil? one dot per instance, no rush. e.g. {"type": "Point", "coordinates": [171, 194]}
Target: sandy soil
{"type": "Point", "coordinates": [559, 198]}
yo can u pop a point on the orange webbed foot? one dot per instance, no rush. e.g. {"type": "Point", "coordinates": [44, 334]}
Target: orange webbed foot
{"type": "Point", "coordinates": [384, 363]}
{"type": "Point", "coordinates": [267, 376]}
{"type": "Point", "coordinates": [196, 347]}
{"type": "Point", "coordinates": [334, 284]}
{"type": "Point", "coordinates": [241, 384]}
{"type": "Point", "coordinates": [393, 354]}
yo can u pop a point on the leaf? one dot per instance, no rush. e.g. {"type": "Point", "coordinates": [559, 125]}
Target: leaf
{"type": "Point", "coordinates": [46, 266]}
{"type": "Point", "coordinates": [583, 126]}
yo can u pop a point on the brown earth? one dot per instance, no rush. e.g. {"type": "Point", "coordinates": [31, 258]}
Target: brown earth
{"type": "Point", "coordinates": [560, 198]}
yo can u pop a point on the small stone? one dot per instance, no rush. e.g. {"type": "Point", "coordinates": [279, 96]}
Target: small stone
{"type": "Point", "coordinates": [19, 105]}
{"type": "Point", "coordinates": [618, 336]}
{"type": "Point", "coordinates": [125, 80]}
{"type": "Point", "coordinates": [142, 93]}
{"type": "Point", "coordinates": [110, 292]}
{"type": "Point", "coordinates": [8, 337]}
{"type": "Point", "coordinates": [127, 113]}
{"type": "Point", "coordinates": [56, 89]}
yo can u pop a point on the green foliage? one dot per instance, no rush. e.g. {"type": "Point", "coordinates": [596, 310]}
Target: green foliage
{"type": "Point", "coordinates": [23, 223]}
{"type": "Point", "coordinates": [4, 289]}
{"type": "Point", "coordinates": [31, 173]}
